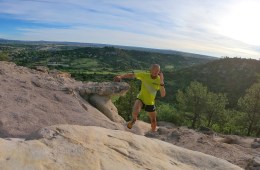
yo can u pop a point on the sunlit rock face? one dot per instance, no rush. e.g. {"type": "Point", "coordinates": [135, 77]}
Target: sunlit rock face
{"type": "Point", "coordinates": [31, 99]}
{"type": "Point", "coordinates": [96, 148]}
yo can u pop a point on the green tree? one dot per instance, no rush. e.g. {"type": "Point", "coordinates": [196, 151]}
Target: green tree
{"type": "Point", "coordinates": [231, 122]}
{"type": "Point", "coordinates": [193, 102]}
{"type": "Point", "coordinates": [125, 103]}
{"type": "Point", "coordinates": [167, 112]}
{"type": "Point", "coordinates": [250, 104]}
{"type": "Point", "coordinates": [215, 107]}
{"type": "Point", "coordinates": [4, 56]}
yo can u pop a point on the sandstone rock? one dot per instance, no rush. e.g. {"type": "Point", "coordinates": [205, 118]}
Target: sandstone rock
{"type": "Point", "coordinates": [95, 148]}
{"type": "Point", "coordinates": [166, 124]}
{"type": "Point", "coordinates": [98, 94]}
{"type": "Point", "coordinates": [42, 69]}
{"type": "Point", "coordinates": [254, 164]}
{"type": "Point", "coordinates": [256, 143]}
{"type": "Point", "coordinates": [30, 100]}
{"type": "Point", "coordinates": [230, 139]}
{"type": "Point", "coordinates": [104, 104]}
{"type": "Point", "coordinates": [104, 88]}
{"type": "Point", "coordinates": [163, 131]}
{"type": "Point", "coordinates": [175, 135]}
{"type": "Point", "coordinates": [206, 130]}
{"type": "Point", "coordinates": [237, 153]}
{"type": "Point", "coordinates": [140, 128]}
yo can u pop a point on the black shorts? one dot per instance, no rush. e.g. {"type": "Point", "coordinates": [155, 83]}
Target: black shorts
{"type": "Point", "coordinates": [148, 108]}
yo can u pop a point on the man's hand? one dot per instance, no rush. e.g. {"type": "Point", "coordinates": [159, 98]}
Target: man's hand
{"type": "Point", "coordinates": [161, 78]}
{"type": "Point", "coordinates": [117, 78]}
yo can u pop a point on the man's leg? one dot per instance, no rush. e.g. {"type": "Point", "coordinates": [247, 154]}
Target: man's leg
{"type": "Point", "coordinates": [136, 109]}
{"type": "Point", "coordinates": [152, 116]}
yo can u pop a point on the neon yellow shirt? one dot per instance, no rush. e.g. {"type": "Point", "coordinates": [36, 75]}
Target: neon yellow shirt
{"type": "Point", "coordinates": [149, 87]}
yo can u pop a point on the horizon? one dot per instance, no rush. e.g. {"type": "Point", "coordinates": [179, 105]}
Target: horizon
{"type": "Point", "coordinates": [218, 29]}
{"type": "Point", "coordinates": [112, 45]}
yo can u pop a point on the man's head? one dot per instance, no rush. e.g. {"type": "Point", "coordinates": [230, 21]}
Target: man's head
{"type": "Point", "coordinates": [155, 70]}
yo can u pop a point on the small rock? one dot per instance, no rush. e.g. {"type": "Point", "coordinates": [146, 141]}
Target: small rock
{"type": "Point", "coordinates": [175, 135]}
{"type": "Point", "coordinates": [206, 130]}
{"type": "Point", "coordinates": [255, 144]}
{"type": "Point", "coordinates": [42, 69]}
{"type": "Point", "coordinates": [254, 164]}
{"type": "Point", "coordinates": [151, 134]}
{"type": "Point", "coordinates": [231, 139]}
{"type": "Point", "coordinates": [163, 131]}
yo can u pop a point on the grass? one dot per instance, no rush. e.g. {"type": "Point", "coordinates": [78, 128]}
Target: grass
{"type": "Point", "coordinates": [84, 63]}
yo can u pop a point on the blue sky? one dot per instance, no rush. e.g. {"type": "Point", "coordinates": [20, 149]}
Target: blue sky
{"type": "Point", "coordinates": [216, 28]}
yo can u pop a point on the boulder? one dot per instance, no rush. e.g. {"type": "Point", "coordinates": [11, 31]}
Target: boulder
{"type": "Point", "coordinates": [42, 69]}
{"type": "Point", "coordinates": [256, 143]}
{"type": "Point", "coordinates": [96, 148]}
{"type": "Point", "coordinates": [31, 99]}
{"type": "Point", "coordinates": [104, 88]}
{"type": "Point", "coordinates": [254, 164]}
{"type": "Point", "coordinates": [105, 105]}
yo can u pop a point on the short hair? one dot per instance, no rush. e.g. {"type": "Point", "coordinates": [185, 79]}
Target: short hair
{"type": "Point", "coordinates": [155, 65]}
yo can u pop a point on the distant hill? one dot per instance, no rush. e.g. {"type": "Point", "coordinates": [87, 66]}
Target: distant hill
{"type": "Point", "coordinates": [228, 75]}
{"type": "Point", "coordinates": [162, 51]}
{"type": "Point", "coordinates": [23, 42]}
{"type": "Point", "coordinates": [93, 59]}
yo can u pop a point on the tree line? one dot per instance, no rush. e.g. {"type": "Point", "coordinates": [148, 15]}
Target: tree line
{"type": "Point", "coordinates": [197, 107]}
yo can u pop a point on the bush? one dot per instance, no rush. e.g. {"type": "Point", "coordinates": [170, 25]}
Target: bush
{"type": "Point", "coordinates": [4, 56]}
{"type": "Point", "coordinates": [167, 112]}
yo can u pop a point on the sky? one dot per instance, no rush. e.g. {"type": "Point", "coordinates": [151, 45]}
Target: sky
{"type": "Point", "coordinates": [210, 27]}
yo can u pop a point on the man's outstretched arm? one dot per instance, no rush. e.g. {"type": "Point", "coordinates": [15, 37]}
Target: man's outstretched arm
{"type": "Point", "coordinates": [120, 77]}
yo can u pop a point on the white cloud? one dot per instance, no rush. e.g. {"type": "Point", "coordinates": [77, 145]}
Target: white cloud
{"type": "Point", "coordinates": [226, 47]}
{"type": "Point", "coordinates": [192, 26]}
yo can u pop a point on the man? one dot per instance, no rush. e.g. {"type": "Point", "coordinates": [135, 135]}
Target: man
{"type": "Point", "coordinates": [151, 83]}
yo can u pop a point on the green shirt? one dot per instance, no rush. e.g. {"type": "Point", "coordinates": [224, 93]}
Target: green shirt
{"type": "Point", "coordinates": [149, 87]}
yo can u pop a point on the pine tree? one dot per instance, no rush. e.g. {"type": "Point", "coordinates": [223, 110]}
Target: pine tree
{"type": "Point", "coordinates": [250, 104]}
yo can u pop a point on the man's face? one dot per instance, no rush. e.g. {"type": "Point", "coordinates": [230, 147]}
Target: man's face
{"type": "Point", "coordinates": [155, 71]}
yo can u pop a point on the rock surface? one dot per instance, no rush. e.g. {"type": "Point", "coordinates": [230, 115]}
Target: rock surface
{"type": "Point", "coordinates": [256, 144]}
{"type": "Point", "coordinates": [31, 99]}
{"type": "Point", "coordinates": [234, 149]}
{"type": "Point", "coordinates": [254, 164]}
{"type": "Point", "coordinates": [77, 147]}
{"type": "Point", "coordinates": [104, 88]}
{"type": "Point", "coordinates": [105, 105]}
